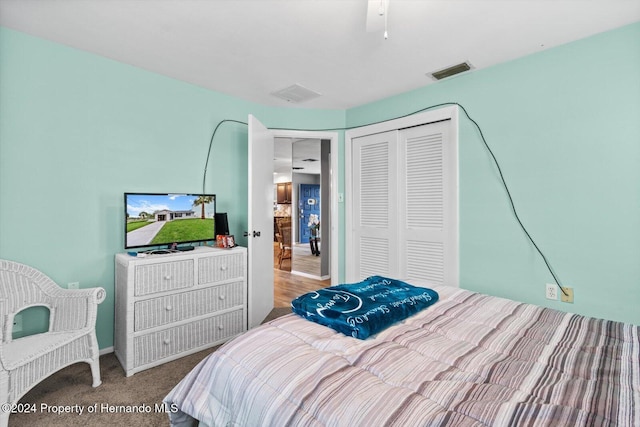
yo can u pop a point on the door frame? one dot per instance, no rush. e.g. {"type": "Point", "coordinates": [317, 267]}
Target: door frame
{"type": "Point", "coordinates": [333, 138]}
{"type": "Point", "coordinates": [418, 119]}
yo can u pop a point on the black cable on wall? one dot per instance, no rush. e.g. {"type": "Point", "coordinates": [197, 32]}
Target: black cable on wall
{"type": "Point", "coordinates": [485, 144]}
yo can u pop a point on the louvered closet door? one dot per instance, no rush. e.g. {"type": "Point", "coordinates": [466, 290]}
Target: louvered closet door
{"type": "Point", "coordinates": [426, 206]}
{"type": "Point", "coordinates": [375, 201]}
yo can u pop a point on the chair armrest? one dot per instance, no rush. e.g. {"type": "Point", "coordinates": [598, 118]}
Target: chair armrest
{"type": "Point", "coordinates": [74, 309]}
{"type": "Point", "coordinates": [94, 295]}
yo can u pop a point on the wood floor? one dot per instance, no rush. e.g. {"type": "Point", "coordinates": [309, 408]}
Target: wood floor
{"type": "Point", "coordinates": [303, 261]}
{"type": "Point", "coordinates": [287, 286]}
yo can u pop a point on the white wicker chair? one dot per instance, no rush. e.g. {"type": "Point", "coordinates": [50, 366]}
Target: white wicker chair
{"type": "Point", "coordinates": [71, 338]}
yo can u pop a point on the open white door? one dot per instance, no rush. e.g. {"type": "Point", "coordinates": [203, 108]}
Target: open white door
{"type": "Point", "coordinates": [260, 219]}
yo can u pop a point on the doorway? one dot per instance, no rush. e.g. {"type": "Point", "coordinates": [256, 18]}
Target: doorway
{"type": "Point", "coordinates": [261, 213]}
{"type": "Point", "coordinates": [303, 165]}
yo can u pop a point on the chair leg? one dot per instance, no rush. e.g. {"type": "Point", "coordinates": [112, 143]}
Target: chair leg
{"type": "Point", "coordinates": [4, 418]}
{"type": "Point", "coordinates": [95, 372]}
{"type": "Point", "coordinates": [4, 398]}
{"type": "Point", "coordinates": [95, 361]}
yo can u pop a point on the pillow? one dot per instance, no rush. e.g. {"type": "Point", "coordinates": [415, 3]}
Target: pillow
{"type": "Point", "coordinates": [365, 308]}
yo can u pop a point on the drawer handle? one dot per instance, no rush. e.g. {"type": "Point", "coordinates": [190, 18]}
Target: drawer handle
{"type": "Point", "coordinates": [223, 267]}
{"type": "Point", "coordinates": [167, 277]}
{"type": "Point", "coordinates": [168, 308]}
{"type": "Point", "coordinates": [166, 341]}
{"type": "Point", "coordinates": [221, 327]}
{"type": "Point", "coordinates": [221, 297]}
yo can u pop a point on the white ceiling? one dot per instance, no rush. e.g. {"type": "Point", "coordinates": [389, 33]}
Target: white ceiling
{"type": "Point", "coordinates": [251, 48]}
{"type": "Point", "coordinates": [291, 153]}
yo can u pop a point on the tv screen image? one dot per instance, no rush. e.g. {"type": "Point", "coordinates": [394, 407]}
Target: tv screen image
{"type": "Point", "coordinates": [158, 219]}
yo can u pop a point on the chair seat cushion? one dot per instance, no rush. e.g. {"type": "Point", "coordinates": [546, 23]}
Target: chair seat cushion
{"type": "Point", "coordinates": [23, 350]}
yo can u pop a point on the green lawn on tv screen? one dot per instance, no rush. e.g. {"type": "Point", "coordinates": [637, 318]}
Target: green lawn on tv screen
{"type": "Point", "coordinates": [185, 230]}
{"type": "Point", "coordinates": [134, 225]}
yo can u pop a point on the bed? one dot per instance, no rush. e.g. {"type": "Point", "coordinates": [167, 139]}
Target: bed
{"type": "Point", "coordinates": [467, 360]}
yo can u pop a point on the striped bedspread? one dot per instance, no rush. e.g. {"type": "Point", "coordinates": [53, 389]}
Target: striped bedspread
{"type": "Point", "coordinates": [468, 360]}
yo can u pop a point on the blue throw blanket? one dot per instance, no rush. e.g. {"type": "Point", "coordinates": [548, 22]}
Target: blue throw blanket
{"type": "Point", "coordinates": [365, 308]}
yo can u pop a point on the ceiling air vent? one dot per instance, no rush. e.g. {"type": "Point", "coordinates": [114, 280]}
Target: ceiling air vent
{"type": "Point", "coordinates": [295, 94]}
{"type": "Point", "coordinates": [451, 71]}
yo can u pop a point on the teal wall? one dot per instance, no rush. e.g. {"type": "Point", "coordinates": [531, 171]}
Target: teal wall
{"type": "Point", "coordinates": [565, 126]}
{"type": "Point", "coordinates": [78, 130]}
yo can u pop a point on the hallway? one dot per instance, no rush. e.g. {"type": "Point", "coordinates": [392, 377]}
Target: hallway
{"type": "Point", "coordinates": [287, 286]}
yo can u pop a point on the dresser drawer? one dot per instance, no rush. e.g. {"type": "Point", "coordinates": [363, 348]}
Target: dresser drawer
{"type": "Point", "coordinates": [152, 278]}
{"type": "Point", "coordinates": [214, 269]}
{"type": "Point", "coordinates": [172, 308]}
{"type": "Point", "coordinates": [158, 345]}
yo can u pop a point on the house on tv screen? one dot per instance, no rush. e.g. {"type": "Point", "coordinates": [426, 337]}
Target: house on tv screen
{"type": "Point", "coordinates": [167, 215]}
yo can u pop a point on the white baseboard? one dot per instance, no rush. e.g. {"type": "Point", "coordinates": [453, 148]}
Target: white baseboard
{"type": "Point", "coordinates": [310, 276]}
{"type": "Point", "coordinates": [106, 350]}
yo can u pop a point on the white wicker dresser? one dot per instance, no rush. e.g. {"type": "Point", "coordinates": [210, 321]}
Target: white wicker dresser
{"type": "Point", "coordinates": [168, 306]}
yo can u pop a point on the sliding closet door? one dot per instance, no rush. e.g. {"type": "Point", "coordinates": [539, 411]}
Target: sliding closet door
{"type": "Point", "coordinates": [427, 205]}
{"type": "Point", "coordinates": [374, 205]}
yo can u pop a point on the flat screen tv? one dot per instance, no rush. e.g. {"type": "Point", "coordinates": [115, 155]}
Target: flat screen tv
{"type": "Point", "coordinates": [161, 219]}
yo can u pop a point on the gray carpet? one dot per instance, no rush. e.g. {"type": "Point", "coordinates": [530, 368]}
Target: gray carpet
{"type": "Point", "coordinates": [277, 312]}
{"type": "Point", "coordinates": [71, 388]}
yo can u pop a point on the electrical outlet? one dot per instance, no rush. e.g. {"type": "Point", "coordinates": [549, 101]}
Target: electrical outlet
{"type": "Point", "coordinates": [569, 295]}
{"type": "Point", "coordinates": [17, 323]}
{"type": "Point", "coordinates": [73, 285]}
{"type": "Point", "coordinates": [552, 291]}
